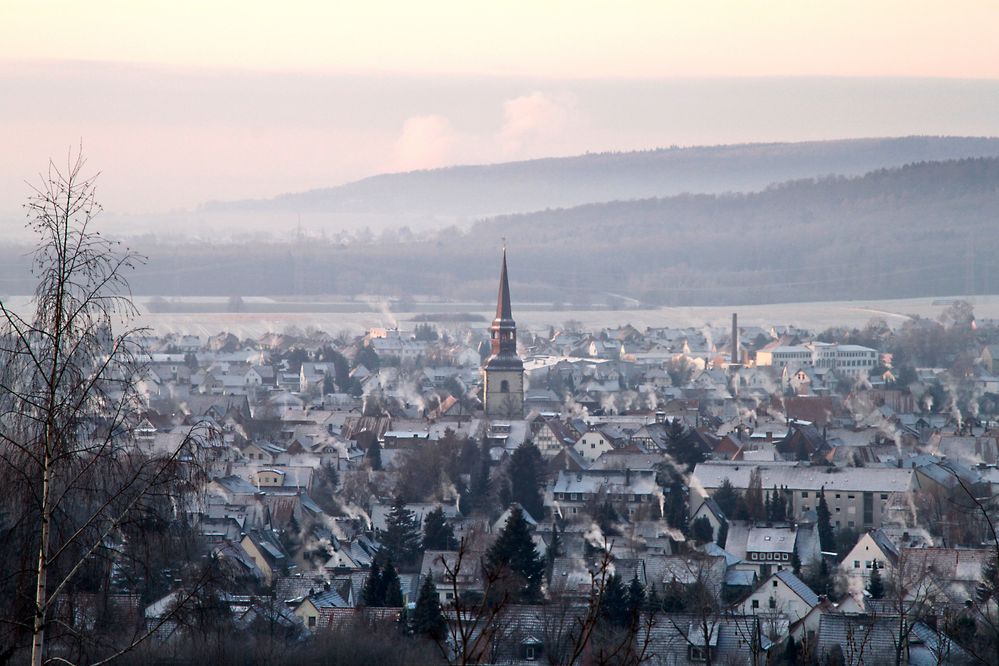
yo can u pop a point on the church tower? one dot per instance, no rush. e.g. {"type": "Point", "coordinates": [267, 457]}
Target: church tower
{"type": "Point", "coordinates": [504, 371]}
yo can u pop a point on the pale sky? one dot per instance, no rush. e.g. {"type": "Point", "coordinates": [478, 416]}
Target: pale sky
{"type": "Point", "coordinates": [180, 102]}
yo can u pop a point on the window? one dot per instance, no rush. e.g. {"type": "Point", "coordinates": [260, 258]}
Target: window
{"type": "Point", "coordinates": [884, 496]}
{"type": "Point", "coordinates": [752, 556]}
{"type": "Point", "coordinates": [504, 386]}
{"type": "Point", "coordinates": [856, 564]}
{"type": "Point", "coordinates": [867, 564]}
{"type": "Point", "coordinates": [698, 653]}
{"type": "Point", "coordinates": [773, 602]}
{"type": "Point", "coordinates": [529, 653]}
{"type": "Point", "coordinates": [756, 603]}
{"type": "Point", "coordinates": [312, 620]}
{"type": "Point", "coordinates": [804, 495]}
{"type": "Point", "coordinates": [775, 583]}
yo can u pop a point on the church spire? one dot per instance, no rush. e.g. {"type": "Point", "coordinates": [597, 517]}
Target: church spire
{"type": "Point", "coordinates": [503, 310]}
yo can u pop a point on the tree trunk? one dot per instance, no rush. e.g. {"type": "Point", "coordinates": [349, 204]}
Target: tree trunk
{"type": "Point", "coordinates": [38, 629]}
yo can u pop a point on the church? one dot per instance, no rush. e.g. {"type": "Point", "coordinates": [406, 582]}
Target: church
{"type": "Point", "coordinates": [503, 383]}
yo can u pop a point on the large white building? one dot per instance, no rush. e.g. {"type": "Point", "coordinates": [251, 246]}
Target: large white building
{"type": "Point", "coordinates": [853, 360]}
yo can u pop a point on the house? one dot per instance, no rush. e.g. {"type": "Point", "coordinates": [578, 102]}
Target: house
{"type": "Point", "coordinates": [311, 607]}
{"type": "Point", "coordinates": [873, 550]}
{"type": "Point", "coordinates": [438, 563]}
{"type": "Point", "coordinates": [783, 593]}
{"type": "Point", "coordinates": [633, 491]}
{"type": "Point", "coordinates": [266, 552]}
{"type": "Point", "coordinates": [710, 510]}
{"type": "Point", "coordinates": [857, 497]}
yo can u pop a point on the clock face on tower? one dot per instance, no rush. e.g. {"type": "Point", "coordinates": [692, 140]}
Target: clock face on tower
{"type": "Point", "coordinates": [503, 386]}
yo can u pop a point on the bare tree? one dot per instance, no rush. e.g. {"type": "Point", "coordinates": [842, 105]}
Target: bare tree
{"type": "Point", "coordinates": [68, 401]}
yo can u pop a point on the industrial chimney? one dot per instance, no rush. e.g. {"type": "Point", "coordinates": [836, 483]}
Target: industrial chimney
{"type": "Point", "coordinates": [735, 339]}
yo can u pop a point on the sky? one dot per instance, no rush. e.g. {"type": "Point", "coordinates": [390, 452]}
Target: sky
{"type": "Point", "coordinates": [177, 103]}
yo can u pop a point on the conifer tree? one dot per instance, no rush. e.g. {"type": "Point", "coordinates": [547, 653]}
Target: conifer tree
{"type": "Point", "coordinates": [427, 618]}
{"type": "Point", "coordinates": [778, 506]}
{"type": "Point", "coordinates": [701, 530]}
{"type": "Point", "coordinates": [727, 498]}
{"type": "Point", "coordinates": [372, 595]}
{"type": "Point", "coordinates": [722, 537]}
{"type": "Point", "coordinates": [614, 602]}
{"type": "Point", "coordinates": [391, 587]}
{"type": "Point", "coordinates": [636, 597]}
{"type": "Point", "coordinates": [554, 550]}
{"type": "Point", "coordinates": [827, 538]}
{"type": "Point", "coordinates": [527, 480]}
{"type": "Point", "coordinates": [375, 455]}
{"type": "Point", "coordinates": [754, 496]}
{"type": "Point", "coordinates": [514, 550]}
{"type": "Point", "coordinates": [437, 533]}
{"type": "Point", "coordinates": [876, 586]}
{"type": "Point", "coordinates": [401, 538]}
{"type": "Point", "coordinates": [480, 482]}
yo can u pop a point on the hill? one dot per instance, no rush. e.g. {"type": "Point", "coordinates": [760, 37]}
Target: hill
{"type": "Point", "coordinates": [464, 192]}
{"type": "Point", "coordinates": [924, 229]}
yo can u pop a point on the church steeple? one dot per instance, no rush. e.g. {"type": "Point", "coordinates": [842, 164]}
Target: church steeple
{"type": "Point", "coordinates": [503, 310]}
{"type": "Point", "coordinates": [504, 329]}
{"type": "Point", "coordinates": [504, 371]}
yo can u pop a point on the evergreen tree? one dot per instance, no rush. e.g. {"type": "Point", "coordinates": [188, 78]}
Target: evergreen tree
{"type": "Point", "coordinates": [754, 496]}
{"type": "Point", "coordinates": [373, 595]}
{"type": "Point", "coordinates": [701, 530]}
{"type": "Point", "coordinates": [480, 481]}
{"type": "Point", "coordinates": [391, 587]}
{"type": "Point", "coordinates": [653, 603]}
{"type": "Point", "coordinates": [795, 563]}
{"type": "Point", "coordinates": [614, 602]}
{"type": "Point", "coordinates": [827, 538]}
{"type": "Point", "coordinates": [375, 455]}
{"type": "Point", "coordinates": [607, 518]}
{"type": "Point", "coordinates": [727, 498]}
{"type": "Point", "coordinates": [505, 494]}
{"type": "Point", "coordinates": [636, 597]}
{"type": "Point", "coordinates": [554, 550]}
{"type": "Point", "coordinates": [674, 598]}
{"type": "Point", "coordinates": [988, 588]}
{"type": "Point", "coordinates": [676, 504]}
{"type": "Point", "coordinates": [791, 652]}
{"type": "Point", "coordinates": [437, 533]}
{"type": "Point", "coordinates": [722, 534]}
{"type": "Point", "coordinates": [514, 550]}
{"type": "Point", "coordinates": [876, 587]}
{"type": "Point", "coordinates": [427, 618]}
{"type": "Point", "coordinates": [401, 538]}
{"type": "Point", "coordinates": [778, 506]}
{"type": "Point", "coordinates": [527, 479]}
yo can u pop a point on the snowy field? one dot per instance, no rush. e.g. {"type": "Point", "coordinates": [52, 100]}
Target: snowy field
{"type": "Point", "coordinates": [814, 316]}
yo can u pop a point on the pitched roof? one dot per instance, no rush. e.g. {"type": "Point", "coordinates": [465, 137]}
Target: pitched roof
{"type": "Point", "coordinates": [798, 587]}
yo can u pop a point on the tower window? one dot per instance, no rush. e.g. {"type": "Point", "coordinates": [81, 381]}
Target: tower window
{"type": "Point", "coordinates": [504, 386]}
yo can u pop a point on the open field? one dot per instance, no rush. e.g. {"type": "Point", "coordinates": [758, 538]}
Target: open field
{"type": "Point", "coordinates": [814, 316]}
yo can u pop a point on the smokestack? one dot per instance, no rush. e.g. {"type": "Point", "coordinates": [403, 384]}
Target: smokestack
{"type": "Point", "coordinates": [735, 339]}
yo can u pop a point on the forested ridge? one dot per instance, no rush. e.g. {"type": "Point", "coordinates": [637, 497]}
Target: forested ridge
{"type": "Point", "coordinates": [928, 228]}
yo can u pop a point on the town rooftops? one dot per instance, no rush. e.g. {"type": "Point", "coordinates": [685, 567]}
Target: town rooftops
{"type": "Point", "coordinates": [637, 482]}
{"type": "Point", "coordinates": [804, 477]}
